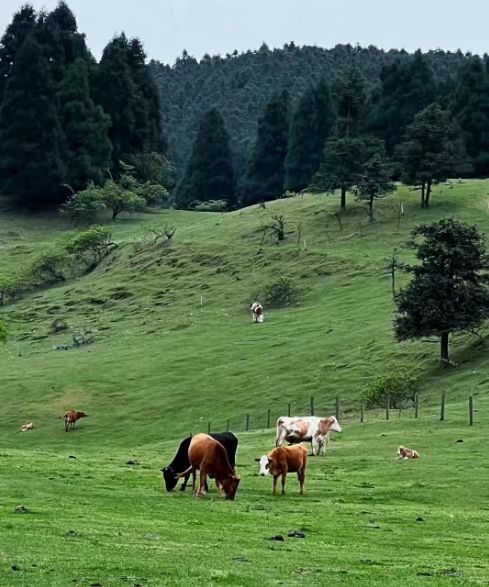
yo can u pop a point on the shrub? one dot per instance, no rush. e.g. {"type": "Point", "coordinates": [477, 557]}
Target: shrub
{"type": "Point", "coordinates": [209, 206]}
{"type": "Point", "coordinates": [278, 293]}
{"type": "Point", "coordinates": [154, 194]}
{"type": "Point", "coordinates": [90, 246]}
{"type": "Point", "coordinates": [401, 386]}
{"type": "Point", "coordinates": [3, 333]}
{"type": "Point", "coordinates": [50, 266]}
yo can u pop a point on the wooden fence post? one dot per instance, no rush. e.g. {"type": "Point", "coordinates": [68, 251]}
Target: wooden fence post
{"type": "Point", "coordinates": [269, 417]}
{"type": "Point", "coordinates": [416, 405]}
{"type": "Point", "coordinates": [208, 427]}
{"type": "Point", "coordinates": [361, 413]}
{"type": "Point", "coordinates": [471, 410]}
{"type": "Point", "coordinates": [288, 409]}
{"type": "Point", "coordinates": [337, 408]}
{"type": "Point", "coordinates": [312, 405]}
{"type": "Point", "coordinates": [247, 425]}
{"type": "Point", "coordinates": [442, 406]}
{"type": "Point", "coordinates": [387, 406]}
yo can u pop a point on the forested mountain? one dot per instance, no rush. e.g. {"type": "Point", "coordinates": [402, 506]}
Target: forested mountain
{"type": "Point", "coordinates": [241, 85]}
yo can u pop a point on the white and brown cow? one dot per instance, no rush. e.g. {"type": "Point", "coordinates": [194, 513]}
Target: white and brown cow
{"type": "Point", "coordinates": [407, 453]}
{"type": "Point", "coordinates": [306, 428]}
{"type": "Point", "coordinates": [256, 312]}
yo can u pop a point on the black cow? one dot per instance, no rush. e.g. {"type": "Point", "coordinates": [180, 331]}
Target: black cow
{"type": "Point", "coordinates": [181, 463]}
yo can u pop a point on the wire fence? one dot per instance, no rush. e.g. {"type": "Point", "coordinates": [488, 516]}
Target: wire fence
{"type": "Point", "coordinates": [266, 418]}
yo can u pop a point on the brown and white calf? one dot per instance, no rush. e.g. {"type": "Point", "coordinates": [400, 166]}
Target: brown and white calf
{"type": "Point", "coordinates": [287, 459]}
{"type": "Point", "coordinates": [210, 457]}
{"type": "Point", "coordinates": [407, 453]}
{"type": "Point", "coordinates": [256, 312]}
{"type": "Point", "coordinates": [306, 428]}
{"type": "Point", "coordinates": [71, 417]}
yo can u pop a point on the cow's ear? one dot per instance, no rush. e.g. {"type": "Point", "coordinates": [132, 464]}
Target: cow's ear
{"type": "Point", "coordinates": [257, 460]}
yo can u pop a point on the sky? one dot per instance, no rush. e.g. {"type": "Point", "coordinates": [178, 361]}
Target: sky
{"type": "Point", "coordinates": [166, 27]}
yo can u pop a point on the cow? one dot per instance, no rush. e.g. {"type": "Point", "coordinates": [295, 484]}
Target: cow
{"type": "Point", "coordinates": [288, 459]}
{"type": "Point", "coordinates": [181, 463]}
{"type": "Point", "coordinates": [256, 312]}
{"type": "Point", "coordinates": [313, 428]}
{"type": "Point", "coordinates": [263, 460]}
{"type": "Point", "coordinates": [210, 457]}
{"type": "Point", "coordinates": [27, 426]}
{"type": "Point", "coordinates": [71, 417]}
{"type": "Point", "coordinates": [407, 453]}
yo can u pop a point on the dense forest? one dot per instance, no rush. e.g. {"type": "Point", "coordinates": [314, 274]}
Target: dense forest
{"type": "Point", "coordinates": [234, 130]}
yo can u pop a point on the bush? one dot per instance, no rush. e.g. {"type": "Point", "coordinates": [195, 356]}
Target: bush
{"type": "Point", "coordinates": [50, 266]}
{"type": "Point", "coordinates": [278, 293]}
{"type": "Point", "coordinates": [401, 386]}
{"type": "Point", "coordinates": [3, 333]}
{"type": "Point", "coordinates": [83, 207]}
{"type": "Point", "coordinates": [90, 246]}
{"type": "Point", "coordinates": [209, 206]}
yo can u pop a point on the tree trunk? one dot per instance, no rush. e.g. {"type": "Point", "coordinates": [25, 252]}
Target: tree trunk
{"type": "Point", "coordinates": [343, 199]}
{"type": "Point", "coordinates": [114, 214]}
{"type": "Point", "coordinates": [428, 193]}
{"type": "Point", "coordinates": [444, 348]}
{"type": "Point", "coordinates": [371, 210]}
{"type": "Point", "coordinates": [422, 194]}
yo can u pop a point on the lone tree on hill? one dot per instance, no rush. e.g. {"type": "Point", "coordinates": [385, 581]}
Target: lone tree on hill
{"type": "Point", "coordinates": [209, 174]}
{"type": "Point", "coordinates": [433, 151]}
{"type": "Point", "coordinates": [266, 171]}
{"type": "Point", "coordinates": [449, 291]}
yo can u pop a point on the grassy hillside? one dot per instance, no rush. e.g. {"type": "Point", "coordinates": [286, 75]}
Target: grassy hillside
{"type": "Point", "coordinates": [175, 346]}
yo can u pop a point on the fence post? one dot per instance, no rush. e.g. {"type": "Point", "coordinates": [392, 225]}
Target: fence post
{"type": "Point", "coordinates": [208, 427]}
{"type": "Point", "coordinates": [471, 410]}
{"type": "Point", "coordinates": [312, 405]}
{"type": "Point", "coordinates": [247, 426]}
{"type": "Point", "coordinates": [227, 425]}
{"type": "Point", "coordinates": [361, 413]}
{"type": "Point", "coordinates": [288, 409]}
{"type": "Point", "coordinates": [387, 406]}
{"type": "Point", "coordinates": [442, 406]}
{"type": "Point", "coordinates": [337, 408]}
{"type": "Point", "coordinates": [416, 405]}
{"type": "Point", "coordinates": [269, 416]}
{"type": "Point", "coordinates": [400, 410]}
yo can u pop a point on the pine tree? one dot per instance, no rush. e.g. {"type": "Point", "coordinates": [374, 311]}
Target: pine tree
{"type": "Point", "coordinates": [209, 174]}
{"type": "Point", "coordinates": [433, 151]}
{"type": "Point", "coordinates": [470, 106]}
{"type": "Point", "coordinates": [86, 126]}
{"type": "Point", "coordinates": [311, 124]}
{"type": "Point", "coordinates": [350, 100]}
{"type": "Point", "coordinates": [266, 169]}
{"type": "Point", "coordinates": [31, 167]}
{"type": "Point", "coordinates": [449, 289]}
{"type": "Point", "coordinates": [23, 24]}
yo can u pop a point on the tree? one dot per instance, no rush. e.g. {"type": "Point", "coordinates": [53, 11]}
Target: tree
{"type": "Point", "coordinates": [83, 207]}
{"type": "Point", "coordinates": [432, 151]}
{"type": "Point", "coordinates": [18, 30]}
{"type": "Point", "coordinates": [470, 107]}
{"type": "Point", "coordinates": [341, 168]}
{"type": "Point", "coordinates": [375, 180]}
{"type": "Point", "coordinates": [31, 139]}
{"type": "Point", "coordinates": [3, 333]}
{"type": "Point", "coordinates": [91, 246]}
{"type": "Point", "coordinates": [350, 97]}
{"type": "Point", "coordinates": [209, 174]}
{"type": "Point", "coordinates": [311, 124]}
{"type": "Point", "coordinates": [88, 149]}
{"type": "Point", "coordinates": [449, 289]}
{"type": "Point", "coordinates": [265, 178]}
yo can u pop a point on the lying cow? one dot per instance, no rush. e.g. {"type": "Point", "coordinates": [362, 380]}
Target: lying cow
{"type": "Point", "coordinates": [263, 461]}
{"type": "Point", "coordinates": [407, 453]}
{"type": "Point", "coordinates": [257, 312]}
{"type": "Point", "coordinates": [181, 463]}
{"type": "Point", "coordinates": [209, 456]}
{"type": "Point", "coordinates": [308, 428]}
{"type": "Point", "coordinates": [27, 426]}
{"type": "Point", "coordinates": [288, 459]}
{"type": "Point", "coordinates": [71, 418]}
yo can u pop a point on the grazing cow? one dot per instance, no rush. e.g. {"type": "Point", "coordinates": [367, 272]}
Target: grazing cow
{"type": "Point", "coordinates": [298, 429]}
{"type": "Point", "coordinates": [407, 453]}
{"type": "Point", "coordinates": [263, 460]}
{"type": "Point", "coordinates": [71, 417]}
{"type": "Point", "coordinates": [181, 463]}
{"type": "Point", "coordinates": [288, 459]}
{"type": "Point", "coordinates": [210, 457]}
{"type": "Point", "coordinates": [257, 312]}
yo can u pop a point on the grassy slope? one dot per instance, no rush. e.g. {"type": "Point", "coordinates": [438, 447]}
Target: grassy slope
{"type": "Point", "coordinates": [163, 366]}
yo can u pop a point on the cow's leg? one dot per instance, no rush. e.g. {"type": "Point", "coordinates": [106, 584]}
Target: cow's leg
{"type": "Point", "coordinates": [281, 434]}
{"type": "Point", "coordinates": [218, 487]}
{"type": "Point", "coordinates": [275, 477]}
{"type": "Point", "coordinates": [66, 426]}
{"type": "Point", "coordinates": [313, 446]}
{"type": "Point", "coordinates": [203, 475]}
{"type": "Point", "coordinates": [302, 478]}
{"type": "Point", "coordinates": [185, 481]}
{"type": "Point", "coordinates": [284, 477]}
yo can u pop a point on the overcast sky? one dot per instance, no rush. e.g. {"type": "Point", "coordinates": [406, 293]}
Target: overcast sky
{"type": "Point", "coordinates": [219, 26]}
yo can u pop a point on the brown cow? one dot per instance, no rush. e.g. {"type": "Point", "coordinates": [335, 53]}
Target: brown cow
{"type": "Point", "coordinates": [71, 417]}
{"type": "Point", "coordinates": [285, 459]}
{"type": "Point", "coordinates": [210, 457]}
{"type": "Point", "coordinates": [407, 453]}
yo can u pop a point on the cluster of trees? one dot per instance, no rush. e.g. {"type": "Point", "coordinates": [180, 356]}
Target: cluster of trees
{"type": "Point", "coordinates": [66, 120]}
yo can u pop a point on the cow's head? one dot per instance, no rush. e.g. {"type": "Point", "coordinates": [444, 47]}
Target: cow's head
{"type": "Point", "coordinates": [81, 415]}
{"type": "Point", "coordinates": [230, 485]}
{"type": "Point", "coordinates": [335, 425]}
{"type": "Point", "coordinates": [263, 460]}
{"type": "Point", "coordinates": [170, 478]}
{"type": "Point", "coordinates": [273, 463]}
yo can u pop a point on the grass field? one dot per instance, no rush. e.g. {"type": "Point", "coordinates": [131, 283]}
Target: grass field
{"type": "Point", "coordinates": [175, 349]}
